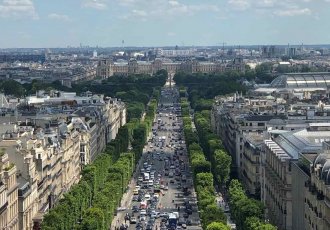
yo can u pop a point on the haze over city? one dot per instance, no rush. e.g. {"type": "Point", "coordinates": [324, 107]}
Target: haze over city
{"type": "Point", "coordinates": [62, 23]}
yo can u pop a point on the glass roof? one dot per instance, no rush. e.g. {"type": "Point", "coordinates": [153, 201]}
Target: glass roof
{"type": "Point", "coordinates": [302, 80]}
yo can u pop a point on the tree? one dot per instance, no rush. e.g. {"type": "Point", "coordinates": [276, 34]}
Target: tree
{"type": "Point", "coordinates": [217, 226]}
{"type": "Point", "coordinates": [212, 213]}
{"type": "Point", "coordinates": [253, 223]}
{"type": "Point", "coordinates": [12, 87]}
{"type": "Point", "coordinates": [93, 219]}
{"type": "Point", "coordinates": [222, 163]}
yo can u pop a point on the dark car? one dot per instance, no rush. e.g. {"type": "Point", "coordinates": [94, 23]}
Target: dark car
{"type": "Point", "coordinates": [189, 211]}
{"type": "Point", "coordinates": [135, 208]}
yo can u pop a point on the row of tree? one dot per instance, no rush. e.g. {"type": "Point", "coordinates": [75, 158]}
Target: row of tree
{"type": "Point", "coordinates": [247, 213]}
{"type": "Point", "coordinates": [212, 147]}
{"type": "Point", "coordinates": [91, 204]}
{"type": "Point", "coordinates": [212, 216]}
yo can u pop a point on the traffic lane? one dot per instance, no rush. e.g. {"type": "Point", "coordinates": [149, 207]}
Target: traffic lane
{"type": "Point", "coordinates": [159, 166]}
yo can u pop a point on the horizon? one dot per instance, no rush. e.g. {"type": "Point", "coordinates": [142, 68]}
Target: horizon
{"type": "Point", "coordinates": [141, 23]}
{"type": "Point", "coordinates": [169, 46]}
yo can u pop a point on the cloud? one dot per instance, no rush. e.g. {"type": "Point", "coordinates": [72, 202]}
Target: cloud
{"type": "Point", "coordinates": [283, 8]}
{"type": "Point", "coordinates": [239, 5]}
{"type": "Point", "coordinates": [95, 4]}
{"type": "Point", "coordinates": [17, 8]}
{"type": "Point", "coordinates": [174, 3]}
{"type": "Point", "coordinates": [293, 12]}
{"type": "Point", "coordinates": [161, 9]}
{"type": "Point", "coordinates": [139, 13]}
{"type": "Point", "coordinates": [60, 17]}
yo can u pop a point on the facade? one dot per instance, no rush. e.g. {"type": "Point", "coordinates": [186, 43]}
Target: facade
{"type": "Point", "coordinates": [107, 68]}
{"type": "Point", "coordinates": [8, 194]}
{"type": "Point", "coordinates": [277, 179]}
{"type": "Point", "coordinates": [317, 193]}
{"type": "Point", "coordinates": [251, 162]}
{"type": "Point", "coordinates": [281, 152]}
{"type": "Point", "coordinates": [49, 145]}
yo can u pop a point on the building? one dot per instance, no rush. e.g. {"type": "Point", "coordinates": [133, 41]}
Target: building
{"type": "Point", "coordinates": [251, 162]}
{"type": "Point", "coordinates": [298, 83]}
{"type": "Point", "coordinates": [107, 68]}
{"type": "Point", "coordinates": [280, 148]}
{"type": "Point", "coordinates": [8, 194]}
{"type": "Point", "coordinates": [317, 193]}
{"type": "Point", "coordinates": [287, 189]}
{"type": "Point", "coordinates": [49, 138]}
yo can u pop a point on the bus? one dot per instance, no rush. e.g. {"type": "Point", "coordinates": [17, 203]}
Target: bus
{"type": "Point", "coordinates": [172, 220]}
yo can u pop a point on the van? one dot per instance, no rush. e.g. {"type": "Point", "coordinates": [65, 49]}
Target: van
{"type": "Point", "coordinates": [136, 192]}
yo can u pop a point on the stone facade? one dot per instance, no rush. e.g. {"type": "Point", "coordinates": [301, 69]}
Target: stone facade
{"type": "Point", "coordinates": [8, 194]}
{"type": "Point", "coordinates": [48, 149]}
{"type": "Point", "coordinates": [107, 68]}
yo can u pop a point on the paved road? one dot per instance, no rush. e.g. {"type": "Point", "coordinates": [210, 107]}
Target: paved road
{"type": "Point", "coordinates": [165, 156]}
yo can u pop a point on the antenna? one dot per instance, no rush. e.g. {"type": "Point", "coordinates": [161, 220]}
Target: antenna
{"type": "Point", "coordinates": [223, 48]}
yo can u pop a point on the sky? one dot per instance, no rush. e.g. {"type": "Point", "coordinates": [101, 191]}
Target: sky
{"type": "Point", "coordinates": [106, 23]}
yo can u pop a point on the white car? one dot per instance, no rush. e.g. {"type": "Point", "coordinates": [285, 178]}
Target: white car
{"type": "Point", "coordinates": [143, 212]}
{"type": "Point", "coordinates": [164, 214]}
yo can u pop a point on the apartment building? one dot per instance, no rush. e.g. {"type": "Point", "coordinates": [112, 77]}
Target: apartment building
{"type": "Point", "coordinates": [8, 194]}
{"type": "Point", "coordinates": [251, 162]}
{"type": "Point", "coordinates": [278, 147]}
{"type": "Point", "coordinates": [317, 193]}
{"type": "Point", "coordinates": [50, 144]}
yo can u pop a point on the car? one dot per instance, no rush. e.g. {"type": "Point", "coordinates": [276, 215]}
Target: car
{"type": "Point", "coordinates": [189, 211]}
{"type": "Point", "coordinates": [135, 208]}
{"type": "Point", "coordinates": [163, 214]}
{"type": "Point", "coordinates": [121, 209]}
{"type": "Point", "coordinates": [143, 212]}
{"type": "Point", "coordinates": [133, 220]}
{"type": "Point", "coordinates": [166, 188]}
{"type": "Point", "coordinates": [172, 181]}
{"type": "Point", "coordinates": [142, 218]}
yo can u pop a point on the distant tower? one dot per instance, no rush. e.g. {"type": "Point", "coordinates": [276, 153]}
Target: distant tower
{"type": "Point", "coordinates": [122, 43]}
{"type": "Point", "coordinates": [94, 54]}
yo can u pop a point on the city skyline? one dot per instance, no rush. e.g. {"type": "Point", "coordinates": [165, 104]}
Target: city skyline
{"type": "Point", "coordinates": [106, 23]}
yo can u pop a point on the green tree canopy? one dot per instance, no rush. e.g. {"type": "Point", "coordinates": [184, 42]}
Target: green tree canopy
{"type": "Point", "coordinates": [217, 226]}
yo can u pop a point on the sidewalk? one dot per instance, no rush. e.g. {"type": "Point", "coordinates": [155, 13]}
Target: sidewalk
{"type": "Point", "coordinates": [125, 202]}
{"type": "Point", "coordinates": [221, 202]}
